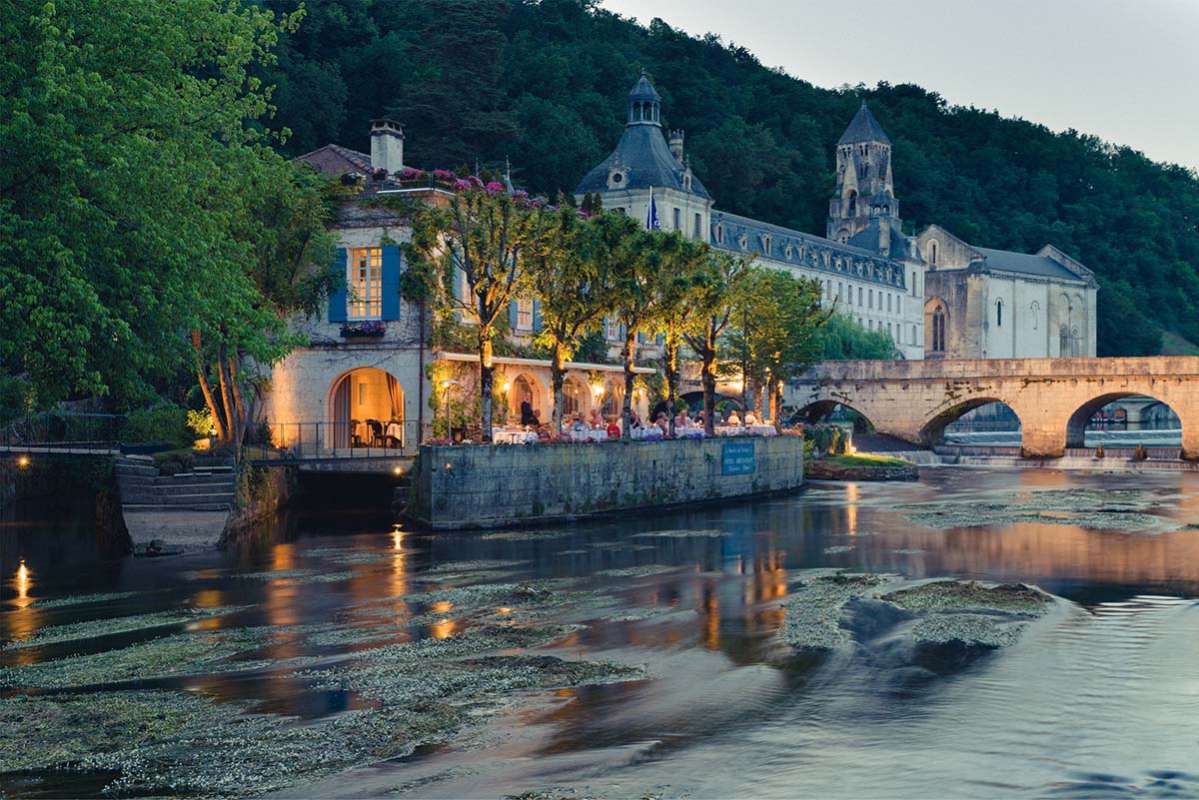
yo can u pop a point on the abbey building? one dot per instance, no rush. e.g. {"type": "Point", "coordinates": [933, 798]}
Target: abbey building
{"type": "Point", "coordinates": [933, 294]}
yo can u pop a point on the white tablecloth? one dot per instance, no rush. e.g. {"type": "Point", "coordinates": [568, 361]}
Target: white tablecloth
{"type": "Point", "coordinates": [688, 433]}
{"type": "Point", "coordinates": [653, 432]}
{"type": "Point", "coordinates": [592, 435]}
{"type": "Point", "coordinates": [745, 430]}
{"type": "Point", "coordinates": [394, 429]}
{"type": "Point", "coordinates": [514, 437]}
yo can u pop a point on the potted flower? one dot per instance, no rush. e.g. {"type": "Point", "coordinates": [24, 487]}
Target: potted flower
{"type": "Point", "coordinates": [372, 329]}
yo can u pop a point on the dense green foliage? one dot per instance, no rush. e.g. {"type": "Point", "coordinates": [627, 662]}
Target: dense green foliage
{"type": "Point", "coordinates": [141, 200]}
{"type": "Point", "coordinates": [845, 338]}
{"type": "Point", "coordinates": [544, 83]}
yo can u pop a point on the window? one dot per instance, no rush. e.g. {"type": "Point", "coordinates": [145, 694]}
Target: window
{"type": "Point", "coordinates": [859, 296]}
{"type": "Point", "coordinates": [913, 335]}
{"type": "Point", "coordinates": [914, 284]}
{"type": "Point", "coordinates": [888, 302]}
{"type": "Point", "coordinates": [766, 245]}
{"type": "Point", "coordinates": [932, 253]}
{"type": "Point", "coordinates": [899, 304]}
{"type": "Point", "coordinates": [1034, 310]}
{"type": "Point", "coordinates": [524, 315]}
{"type": "Point", "coordinates": [365, 283]}
{"type": "Point", "coordinates": [571, 397]}
{"type": "Point", "coordinates": [677, 216]}
{"type": "Point", "coordinates": [998, 313]}
{"type": "Point", "coordinates": [720, 234]}
{"type": "Point", "coordinates": [870, 298]}
{"type": "Point", "coordinates": [852, 206]}
{"type": "Point", "coordinates": [698, 230]}
{"type": "Point", "coordinates": [939, 330]}
{"type": "Point", "coordinates": [612, 329]}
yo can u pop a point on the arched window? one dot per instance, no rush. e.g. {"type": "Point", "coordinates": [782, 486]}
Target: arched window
{"type": "Point", "coordinates": [998, 313]}
{"type": "Point", "coordinates": [932, 253]}
{"type": "Point", "coordinates": [1034, 310]}
{"type": "Point", "coordinates": [852, 208]}
{"type": "Point", "coordinates": [572, 397]}
{"type": "Point", "coordinates": [939, 330]}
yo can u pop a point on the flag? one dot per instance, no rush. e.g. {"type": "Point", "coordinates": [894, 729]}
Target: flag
{"type": "Point", "coordinates": [651, 216]}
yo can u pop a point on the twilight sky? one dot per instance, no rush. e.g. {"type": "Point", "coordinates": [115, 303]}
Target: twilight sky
{"type": "Point", "coordinates": [1123, 70]}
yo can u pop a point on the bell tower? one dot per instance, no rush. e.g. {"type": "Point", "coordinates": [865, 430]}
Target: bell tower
{"type": "Point", "coordinates": [865, 191]}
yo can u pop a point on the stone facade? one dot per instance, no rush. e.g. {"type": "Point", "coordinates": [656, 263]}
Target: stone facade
{"type": "Point", "coordinates": [1054, 398]}
{"type": "Point", "coordinates": [474, 487]}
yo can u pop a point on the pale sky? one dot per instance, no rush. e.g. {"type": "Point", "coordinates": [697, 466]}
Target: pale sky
{"type": "Point", "coordinates": [1126, 71]}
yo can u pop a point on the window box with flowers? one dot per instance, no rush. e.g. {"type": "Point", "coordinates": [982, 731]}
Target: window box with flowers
{"type": "Point", "coordinates": [372, 329]}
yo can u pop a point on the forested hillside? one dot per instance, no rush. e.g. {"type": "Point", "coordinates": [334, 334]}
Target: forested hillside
{"type": "Point", "coordinates": [544, 82]}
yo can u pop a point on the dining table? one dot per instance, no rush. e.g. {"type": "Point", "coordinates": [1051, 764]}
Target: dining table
{"type": "Point", "coordinates": [514, 436]}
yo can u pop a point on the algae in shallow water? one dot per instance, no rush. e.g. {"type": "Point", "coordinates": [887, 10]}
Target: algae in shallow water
{"type": "Point", "coordinates": [94, 629]}
{"type": "Point", "coordinates": [81, 599]}
{"type": "Point", "coordinates": [1124, 509]}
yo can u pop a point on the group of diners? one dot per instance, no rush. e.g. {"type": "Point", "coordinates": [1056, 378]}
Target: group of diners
{"type": "Point", "coordinates": [594, 426]}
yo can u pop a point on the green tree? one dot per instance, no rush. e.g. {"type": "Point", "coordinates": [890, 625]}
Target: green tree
{"type": "Point", "coordinates": [570, 274]}
{"type": "Point", "coordinates": [844, 338]}
{"type": "Point", "coordinates": [132, 169]}
{"type": "Point", "coordinates": [473, 256]}
{"type": "Point", "coordinates": [776, 331]}
{"type": "Point", "coordinates": [681, 281]}
{"type": "Point", "coordinates": [714, 299]}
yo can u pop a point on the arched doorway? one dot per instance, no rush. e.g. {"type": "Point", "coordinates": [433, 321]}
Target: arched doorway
{"type": "Point", "coordinates": [576, 398]}
{"type": "Point", "coordinates": [524, 388]}
{"type": "Point", "coordinates": [367, 410]}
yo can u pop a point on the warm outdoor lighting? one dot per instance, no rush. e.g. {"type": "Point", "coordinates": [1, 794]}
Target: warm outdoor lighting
{"type": "Point", "coordinates": [23, 463]}
{"type": "Point", "coordinates": [446, 384]}
{"type": "Point", "coordinates": [505, 386]}
{"type": "Point", "coordinates": [597, 389]}
{"type": "Point", "coordinates": [397, 471]}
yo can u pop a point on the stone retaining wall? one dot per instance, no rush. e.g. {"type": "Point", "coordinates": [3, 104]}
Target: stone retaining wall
{"type": "Point", "coordinates": [499, 485]}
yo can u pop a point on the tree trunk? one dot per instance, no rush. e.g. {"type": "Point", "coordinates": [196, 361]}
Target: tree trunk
{"type": "Point", "coordinates": [486, 379]}
{"type": "Point", "coordinates": [630, 356]}
{"type": "Point", "coordinates": [776, 403]}
{"type": "Point", "coordinates": [709, 382]}
{"type": "Point", "coordinates": [557, 375]}
{"type": "Point", "coordinates": [226, 399]}
{"type": "Point", "coordinates": [206, 390]}
{"type": "Point", "coordinates": [239, 406]}
{"type": "Point", "coordinates": [672, 377]}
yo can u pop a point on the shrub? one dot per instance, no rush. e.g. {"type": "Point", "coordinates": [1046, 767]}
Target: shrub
{"type": "Point", "coordinates": [165, 423]}
{"type": "Point", "coordinates": [173, 462]}
{"type": "Point", "coordinates": [201, 423]}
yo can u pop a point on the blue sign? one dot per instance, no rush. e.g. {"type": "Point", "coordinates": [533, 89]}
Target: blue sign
{"type": "Point", "coordinates": [737, 458]}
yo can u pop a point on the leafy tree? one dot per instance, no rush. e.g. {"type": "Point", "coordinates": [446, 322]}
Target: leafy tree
{"type": "Point", "coordinates": [474, 256]}
{"type": "Point", "coordinates": [776, 332]}
{"type": "Point", "coordinates": [133, 167]}
{"type": "Point", "coordinates": [570, 275]}
{"type": "Point", "coordinates": [714, 299]}
{"type": "Point", "coordinates": [682, 277]}
{"type": "Point", "coordinates": [843, 338]}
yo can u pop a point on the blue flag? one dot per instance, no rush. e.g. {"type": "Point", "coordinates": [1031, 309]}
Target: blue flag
{"type": "Point", "coordinates": [651, 216]}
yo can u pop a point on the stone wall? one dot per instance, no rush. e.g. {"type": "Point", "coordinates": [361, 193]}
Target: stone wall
{"type": "Point", "coordinates": [491, 486]}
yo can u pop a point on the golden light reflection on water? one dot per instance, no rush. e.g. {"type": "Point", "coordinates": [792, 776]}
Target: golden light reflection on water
{"type": "Point", "coordinates": [23, 582]}
{"type": "Point", "coordinates": [444, 628]}
{"type": "Point", "coordinates": [852, 495]}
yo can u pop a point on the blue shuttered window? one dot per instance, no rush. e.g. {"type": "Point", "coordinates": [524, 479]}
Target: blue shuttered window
{"type": "Point", "coordinates": [513, 314]}
{"type": "Point", "coordinates": [337, 298]}
{"type": "Point", "coordinates": [537, 315]}
{"type": "Point", "coordinates": [391, 282]}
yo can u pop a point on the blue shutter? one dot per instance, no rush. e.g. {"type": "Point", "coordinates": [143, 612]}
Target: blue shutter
{"type": "Point", "coordinates": [537, 315]}
{"type": "Point", "coordinates": [640, 337]}
{"type": "Point", "coordinates": [391, 282]}
{"type": "Point", "coordinates": [337, 297]}
{"type": "Point", "coordinates": [513, 314]}
{"type": "Point", "coordinates": [659, 340]}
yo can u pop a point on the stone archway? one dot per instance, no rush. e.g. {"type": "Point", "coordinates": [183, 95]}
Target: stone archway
{"type": "Point", "coordinates": [366, 409]}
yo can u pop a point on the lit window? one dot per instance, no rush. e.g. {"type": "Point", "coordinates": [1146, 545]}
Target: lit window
{"type": "Point", "coordinates": [365, 283]}
{"type": "Point", "coordinates": [612, 329]}
{"type": "Point", "coordinates": [524, 315]}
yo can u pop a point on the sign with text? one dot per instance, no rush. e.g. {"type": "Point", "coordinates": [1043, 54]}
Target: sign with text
{"type": "Point", "coordinates": [737, 458]}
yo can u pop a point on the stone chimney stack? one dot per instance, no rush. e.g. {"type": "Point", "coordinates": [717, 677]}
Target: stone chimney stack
{"type": "Point", "coordinates": [676, 146]}
{"type": "Point", "coordinates": [387, 145]}
{"type": "Point", "coordinates": [884, 236]}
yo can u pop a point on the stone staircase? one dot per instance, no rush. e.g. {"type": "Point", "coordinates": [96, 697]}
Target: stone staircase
{"type": "Point", "coordinates": [169, 513]}
{"type": "Point", "coordinates": [206, 488]}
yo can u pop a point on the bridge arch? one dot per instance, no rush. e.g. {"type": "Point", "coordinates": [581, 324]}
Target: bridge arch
{"type": "Point", "coordinates": [933, 430]}
{"type": "Point", "coordinates": [819, 410]}
{"type": "Point", "coordinates": [1076, 425]}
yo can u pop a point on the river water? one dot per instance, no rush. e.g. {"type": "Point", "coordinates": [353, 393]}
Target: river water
{"type": "Point", "coordinates": [1099, 698]}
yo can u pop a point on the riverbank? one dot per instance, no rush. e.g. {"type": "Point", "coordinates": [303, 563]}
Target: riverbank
{"type": "Point", "coordinates": [860, 467]}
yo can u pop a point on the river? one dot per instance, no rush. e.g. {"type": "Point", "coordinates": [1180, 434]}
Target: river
{"type": "Point", "coordinates": [1098, 698]}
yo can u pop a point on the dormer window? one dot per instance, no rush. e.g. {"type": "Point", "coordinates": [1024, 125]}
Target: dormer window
{"type": "Point", "coordinates": [719, 234]}
{"type": "Point", "coordinates": [788, 250]}
{"type": "Point", "coordinates": [687, 181]}
{"type": "Point", "coordinates": [743, 241]}
{"type": "Point", "coordinates": [617, 178]}
{"type": "Point", "coordinates": [766, 244]}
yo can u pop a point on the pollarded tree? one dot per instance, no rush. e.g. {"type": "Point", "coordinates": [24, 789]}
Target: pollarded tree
{"type": "Point", "coordinates": [682, 280]}
{"type": "Point", "coordinates": [777, 326]}
{"type": "Point", "coordinates": [570, 274]}
{"type": "Point", "coordinates": [713, 299]}
{"type": "Point", "coordinates": [473, 255]}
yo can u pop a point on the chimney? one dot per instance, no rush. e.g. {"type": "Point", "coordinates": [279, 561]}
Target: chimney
{"type": "Point", "coordinates": [884, 236]}
{"type": "Point", "coordinates": [676, 146]}
{"type": "Point", "coordinates": [387, 145]}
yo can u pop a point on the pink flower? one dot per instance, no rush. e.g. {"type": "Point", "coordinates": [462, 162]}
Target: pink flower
{"type": "Point", "coordinates": [475, 181]}
{"type": "Point", "coordinates": [495, 186]}
{"type": "Point", "coordinates": [444, 174]}
{"type": "Point", "coordinates": [462, 185]}
{"type": "Point", "coordinates": [410, 173]}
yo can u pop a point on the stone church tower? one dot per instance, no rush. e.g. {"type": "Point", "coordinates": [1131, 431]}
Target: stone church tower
{"type": "Point", "coordinates": [865, 192]}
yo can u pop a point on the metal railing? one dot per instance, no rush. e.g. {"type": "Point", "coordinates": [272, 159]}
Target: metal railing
{"type": "Point", "coordinates": [63, 432]}
{"type": "Point", "coordinates": [321, 441]}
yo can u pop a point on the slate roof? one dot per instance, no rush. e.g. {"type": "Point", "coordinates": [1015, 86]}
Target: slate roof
{"type": "Point", "coordinates": [1027, 264]}
{"type": "Point", "coordinates": [805, 250]}
{"type": "Point", "coordinates": [645, 156]}
{"type": "Point", "coordinates": [334, 160]}
{"type": "Point", "coordinates": [863, 128]}
{"type": "Point", "coordinates": [867, 239]}
{"type": "Point", "coordinates": [644, 90]}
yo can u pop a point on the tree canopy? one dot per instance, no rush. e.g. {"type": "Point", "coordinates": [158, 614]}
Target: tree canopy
{"type": "Point", "coordinates": [544, 81]}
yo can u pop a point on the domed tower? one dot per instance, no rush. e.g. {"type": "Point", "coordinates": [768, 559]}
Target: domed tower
{"type": "Point", "coordinates": [865, 192]}
{"type": "Point", "coordinates": [648, 177]}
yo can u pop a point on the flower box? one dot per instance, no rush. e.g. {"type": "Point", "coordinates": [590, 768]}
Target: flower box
{"type": "Point", "coordinates": [358, 330]}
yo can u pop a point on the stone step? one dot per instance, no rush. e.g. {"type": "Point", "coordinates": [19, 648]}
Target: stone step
{"type": "Point", "coordinates": [189, 507]}
{"type": "Point", "coordinates": [193, 478]}
{"type": "Point", "coordinates": [124, 468]}
{"type": "Point", "coordinates": [164, 495]}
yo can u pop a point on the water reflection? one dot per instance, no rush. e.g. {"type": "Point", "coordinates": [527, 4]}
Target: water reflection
{"type": "Point", "coordinates": [698, 595]}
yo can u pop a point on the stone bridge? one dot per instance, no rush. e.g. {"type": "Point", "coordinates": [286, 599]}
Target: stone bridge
{"type": "Point", "coordinates": [1053, 397]}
